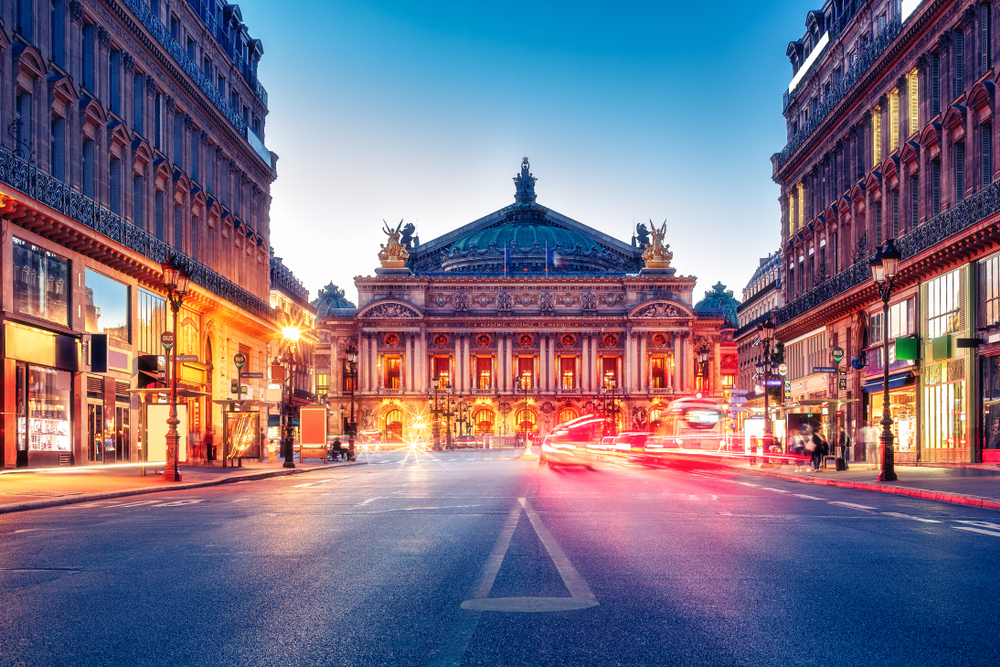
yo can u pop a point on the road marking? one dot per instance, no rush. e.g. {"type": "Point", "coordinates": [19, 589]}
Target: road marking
{"type": "Point", "coordinates": [138, 503]}
{"type": "Point", "coordinates": [853, 506]}
{"type": "Point", "coordinates": [908, 516]}
{"type": "Point", "coordinates": [464, 624]}
{"type": "Point", "coordinates": [317, 482]}
{"type": "Point", "coordinates": [802, 495]}
{"type": "Point", "coordinates": [370, 500]}
{"type": "Point", "coordinates": [748, 484]}
{"type": "Point", "coordinates": [178, 503]}
{"type": "Point", "coordinates": [981, 527]}
{"type": "Point", "coordinates": [767, 488]}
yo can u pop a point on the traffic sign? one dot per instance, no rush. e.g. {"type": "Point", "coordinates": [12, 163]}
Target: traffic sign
{"type": "Point", "coordinates": [167, 339]}
{"type": "Point", "coordinates": [187, 357]}
{"type": "Point", "coordinates": [782, 370]}
{"type": "Point", "coordinates": [239, 359]}
{"type": "Point", "coordinates": [738, 400]}
{"type": "Point", "coordinates": [842, 384]}
{"type": "Point", "coordinates": [824, 369]}
{"type": "Point", "coordinates": [738, 408]}
{"type": "Point", "coordinates": [838, 354]}
{"type": "Point", "coordinates": [252, 376]}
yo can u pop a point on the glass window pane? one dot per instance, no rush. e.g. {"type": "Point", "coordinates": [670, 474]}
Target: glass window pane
{"type": "Point", "coordinates": [107, 306]}
{"type": "Point", "coordinates": [41, 282]}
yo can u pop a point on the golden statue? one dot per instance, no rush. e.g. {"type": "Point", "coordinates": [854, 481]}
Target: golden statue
{"type": "Point", "coordinates": [657, 254]}
{"type": "Point", "coordinates": [393, 255]}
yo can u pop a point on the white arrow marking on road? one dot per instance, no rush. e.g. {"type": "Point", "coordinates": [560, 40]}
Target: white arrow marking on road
{"type": "Point", "coordinates": [178, 503]}
{"type": "Point", "coordinates": [853, 506]}
{"type": "Point", "coordinates": [982, 527]}
{"type": "Point", "coordinates": [914, 518]}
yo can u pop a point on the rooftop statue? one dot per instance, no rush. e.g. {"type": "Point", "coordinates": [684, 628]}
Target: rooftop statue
{"type": "Point", "coordinates": [393, 255]}
{"type": "Point", "coordinates": [642, 234]}
{"type": "Point", "coordinates": [409, 240]}
{"type": "Point", "coordinates": [657, 254]}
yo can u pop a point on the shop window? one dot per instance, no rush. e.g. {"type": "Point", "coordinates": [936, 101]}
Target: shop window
{"type": "Point", "coordinates": [350, 381]}
{"type": "Point", "coordinates": [40, 283]}
{"type": "Point", "coordinates": [47, 422]}
{"type": "Point", "coordinates": [989, 291]}
{"type": "Point", "coordinates": [943, 304]}
{"type": "Point", "coordinates": [107, 307]}
{"type": "Point", "coordinates": [322, 383]}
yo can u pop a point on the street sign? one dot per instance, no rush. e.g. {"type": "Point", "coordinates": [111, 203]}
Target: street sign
{"type": "Point", "coordinates": [167, 339]}
{"type": "Point", "coordinates": [252, 376]}
{"type": "Point", "coordinates": [737, 400]}
{"type": "Point", "coordinates": [187, 357]}
{"type": "Point", "coordinates": [776, 383]}
{"type": "Point", "coordinates": [824, 369]}
{"type": "Point", "coordinates": [782, 370]}
{"type": "Point", "coordinates": [239, 359]}
{"type": "Point", "coordinates": [842, 384]}
{"type": "Point", "coordinates": [838, 354]}
{"type": "Point", "coordinates": [737, 408]}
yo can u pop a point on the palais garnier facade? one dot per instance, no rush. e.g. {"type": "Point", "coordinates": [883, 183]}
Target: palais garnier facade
{"type": "Point", "coordinates": [516, 322]}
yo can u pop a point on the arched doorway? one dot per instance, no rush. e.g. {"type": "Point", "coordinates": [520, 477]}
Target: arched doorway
{"type": "Point", "coordinates": [567, 414]}
{"type": "Point", "coordinates": [392, 430]}
{"type": "Point", "coordinates": [526, 421]}
{"type": "Point", "coordinates": [484, 421]}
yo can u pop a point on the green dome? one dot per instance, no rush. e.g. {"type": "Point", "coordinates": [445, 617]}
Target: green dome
{"type": "Point", "coordinates": [525, 235]}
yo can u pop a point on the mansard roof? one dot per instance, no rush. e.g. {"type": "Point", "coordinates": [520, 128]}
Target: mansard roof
{"type": "Point", "coordinates": [525, 238]}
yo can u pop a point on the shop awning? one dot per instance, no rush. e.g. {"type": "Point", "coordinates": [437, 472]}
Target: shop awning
{"type": "Point", "coordinates": [895, 382]}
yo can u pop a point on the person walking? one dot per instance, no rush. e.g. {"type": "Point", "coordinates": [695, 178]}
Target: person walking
{"type": "Point", "coordinates": [844, 442]}
{"type": "Point", "coordinates": [871, 437]}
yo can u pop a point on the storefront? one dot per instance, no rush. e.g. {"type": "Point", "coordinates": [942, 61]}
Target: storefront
{"type": "Point", "coordinates": [40, 369]}
{"type": "Point", "coordinates": [902, 410]}
{"type": "Point", "coordinates": [946, 434]}
{"type": "Point", "coordinates": [990, 413]}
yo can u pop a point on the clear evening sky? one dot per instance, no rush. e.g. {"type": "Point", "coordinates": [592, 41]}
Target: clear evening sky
{"type": "Point", "coordinates": [422, 111]}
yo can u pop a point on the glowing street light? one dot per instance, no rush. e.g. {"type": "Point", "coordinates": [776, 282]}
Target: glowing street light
{"type": "Point", "coordinates": [175, 280]}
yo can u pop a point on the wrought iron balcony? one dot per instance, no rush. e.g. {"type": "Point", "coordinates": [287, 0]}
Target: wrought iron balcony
{"type": "Point", "coordinates": [36, 184]}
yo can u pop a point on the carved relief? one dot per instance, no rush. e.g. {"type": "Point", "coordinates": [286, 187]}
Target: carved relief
{"type": "Point", "coordinates": [483, 340]}
{"type": "Point", "coordinates": [658, 340]}
{"type": "Point", "coordinates": [545, 301]}
{"type": "Point", "coordinates": [659, 310]}
{"type": "Point", "coordinates": [589, 301]}
{"type": "Point", "coordinates": [567, 300]}
{"type": "Point", "coordinates": [441, 340]}
{"type": "Point", "coordinates": [525, 340]}
{"type": "Point", "coordinates": [525, 299]}
{"type": "Point", "coordinates": [484, 300]}
{"type": "Point", "coordinates": [503, 301]}
{"type": "Point", "coordinates": [461, 301]}
{"type": "Point", "coordinates": [440, 300]}
{"type": "Point", "coordinates": [610, 340]}
{"type": "Point", "coordinates": [611, 299]}
{"type": "Point", "coordinates": [391, 340]}
{"type": "Point", "coordinates": [567, 340]}
{"type": "Point", "coordinates": [392, 311]}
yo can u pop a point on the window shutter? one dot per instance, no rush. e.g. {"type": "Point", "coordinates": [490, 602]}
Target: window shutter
{"type": "Point", "coordinates": [89, 32]}
{"type": "Point", "coordinates": [913, 88]}
{"type": "Point", "coordinates": [138, 108]}
{"type": "Point", "coordinates": [195, 139]}
{"type": "Point", "coordinates": [935, 187]}
{"type": "Point", "coordinates": [959, 63]}
{"type": "Point", "coordinates": [115, 78]}
{"type": "Point", "coordinates": [178, 228]}
{"type": "Point", "coordinates": [893, 120]}
{"type": "Point", "coordinates": [935, 84]}
{"type": "Point", "coordinates": [914, 201]}
{"type": "Point", "coordinates": [88, 168]}
{"type": "Point", "coordinates": [895, 214]}
{"type": "Point", "coordinates": [959, 172]}
{"type": "Point", "coordinates": [115, 182]}
{"type": "Point", "coordinates": [178, 138]}
{"type": "Point", "coordinates": [924, 311]}
{"type": "Point", "coordinates": [59, 148]}
{"type": "Point", "coordinates": [985, 155]}
{"type": "Point", "coordinates": [137, 197]}
{"type": "Point", "coordinates": [984, 38]}
{"type": "Point", "coordinates": [159, 214]}
{"type": "Point", "coordinates": [878, 222]}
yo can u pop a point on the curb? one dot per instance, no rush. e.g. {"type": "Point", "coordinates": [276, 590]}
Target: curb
{"type": "Point", "coordinates": [940, 496]}
{"type": "Point", "coordinates": [72, 500]}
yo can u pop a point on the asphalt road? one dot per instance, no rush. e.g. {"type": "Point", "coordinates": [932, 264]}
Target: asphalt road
{"type": "Point", "coordinates": [463, 559]}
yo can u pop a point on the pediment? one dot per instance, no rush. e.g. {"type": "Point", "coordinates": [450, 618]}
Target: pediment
{"type": "Point", "coordinates": [982, 95]}
{"type": "Point", "coordinates": [910, 152]}
{"type": "Point", "coordinates": [660, 309]}
{"type": "Point", "coordinates": [954, 117]}
{"type": "Point", "coordinates": [931, 135]}
{"type": "Point", "coordinates": [390, 309]}
{"type": "Point", "coordinates": [874, 180]}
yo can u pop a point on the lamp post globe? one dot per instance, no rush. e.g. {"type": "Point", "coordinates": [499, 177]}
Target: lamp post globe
{"type": "Point", "coordinates": [175, 281]}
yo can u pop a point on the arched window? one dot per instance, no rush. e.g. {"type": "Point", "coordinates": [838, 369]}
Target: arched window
{"type": "Point", "coordinates": [525, 421]}
{"type": "Point", "coordinates": [567, 414]}
{"type": "Point", "coordinates": [483, 421]}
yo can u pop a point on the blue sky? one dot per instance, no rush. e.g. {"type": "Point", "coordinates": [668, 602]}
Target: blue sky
{"type": "Point", "coordinates": [422, 111]}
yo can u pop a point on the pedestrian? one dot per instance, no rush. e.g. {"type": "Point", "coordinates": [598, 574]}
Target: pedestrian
{"type": "Point", "coordinates": [209, 445]}
{"type": "Point", "coordinates": [871, 445]}
{"type": "Point", "coordinates": [753, 450]}
{"type": "Point", "coordinates": [337, 450]}
{"type": "Point", "coordinates": [844, 442]}
{"type": "Point", "coordinates": [818, 448]}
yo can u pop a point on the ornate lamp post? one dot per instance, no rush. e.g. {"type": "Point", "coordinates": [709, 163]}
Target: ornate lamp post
{"type": "Point", "coordinates": [351, 355]}
{"type": "Point", "coordinates": [522, 383]}
{"type": "Point", "coordinates": [175, 280]}
{"type": "Point", "coordinates": [703, 353]}
{"type": "Point", "coordinates": [611, 405]}
{"type": "Point", "coordinates": [885, 266]}
{"type": "Point", "coordinates": [437, 411]}
{"type": "Point", "coordinates": [765, 335]}
{"type": "Point", "coordinates": [291, 338]}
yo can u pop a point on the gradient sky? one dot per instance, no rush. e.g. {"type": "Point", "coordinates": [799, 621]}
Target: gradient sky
{"type": "Point", "coordinates": [422, 111]}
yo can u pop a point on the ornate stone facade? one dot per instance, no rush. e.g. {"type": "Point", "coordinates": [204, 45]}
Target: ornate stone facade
{"type": "Point", "coordinates": [537, 330]}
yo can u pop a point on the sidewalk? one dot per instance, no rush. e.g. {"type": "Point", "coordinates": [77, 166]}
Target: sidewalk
{"type": "Point", "coordinates": [976, 486]}
{"type": "Point", "coordinates": [24, 489]}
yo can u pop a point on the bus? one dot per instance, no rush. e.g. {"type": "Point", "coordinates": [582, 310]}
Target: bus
{"type": "Point", "coordinates": [690, 423]}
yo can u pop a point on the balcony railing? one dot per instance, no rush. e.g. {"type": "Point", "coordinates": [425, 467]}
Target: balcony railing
{"type": "Point", "coordinates": [36, 184]}
{"type": "Point", "coordinates": [868, 55]}
{"type": "Point", "coordinates": [968, 213]}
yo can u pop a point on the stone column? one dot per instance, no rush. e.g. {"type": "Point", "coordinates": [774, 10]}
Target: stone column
{"type": "Point", "coordinates": [508, 361]}
{"type": "Point", "coordinates": [643, 363]}
{"type": "Point", "coordinates": [676, 381]}
{"type": "Point", "coordinates": [553, 372]}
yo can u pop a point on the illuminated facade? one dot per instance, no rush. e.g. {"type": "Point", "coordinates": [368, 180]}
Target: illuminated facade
{"type": "Point", "coordinates": [890, 119]}
{"type": "Point", "coordinates": [131, 132]}
{"type": "Point", "coordinates": [516, 322]}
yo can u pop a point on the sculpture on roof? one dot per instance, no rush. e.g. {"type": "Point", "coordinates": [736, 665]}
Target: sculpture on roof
{"type": "Point", "coordinates": [657, 254]}
{"type": "Point", "coordinates": [525, 184]}
{"type": "Point", "coordinates": [642, 235]}
{"type": "Point", "coordinates": [408, 239]}
{"type": "Point", "coordinates": [393, 255]}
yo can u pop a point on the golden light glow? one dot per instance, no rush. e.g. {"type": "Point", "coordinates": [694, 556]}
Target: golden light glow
{"type": "Point", "coordinates": [291, 333]}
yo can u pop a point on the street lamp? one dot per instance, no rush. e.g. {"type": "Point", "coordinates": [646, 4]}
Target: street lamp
{"type": "Point", "coordinates": [765, 336]}
{"type": "Point", "coordinates": [291, 337]}
{"type": "Point", "coordinates": [175, 280]}
{"type": "Point", "coordinates": [611, 403]}
{"type": "Point", "coordinates": [437, 411]}
{"type": "Point", "coordinates": [351, 354]}
{"type": "Point", "coordinates": [885, 266]}
{"type": "Point", "coordinates": [522, 383]}
{"type": "Point", "coordinates": [703, 352]}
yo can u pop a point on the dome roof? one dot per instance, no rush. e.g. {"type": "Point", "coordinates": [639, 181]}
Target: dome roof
{"type": "Point", "coordinates": [719, 301]}
{"type": "Point", "coordinates": [525, 235]}
{"type": "Point", "coordinates": [332, 303]}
